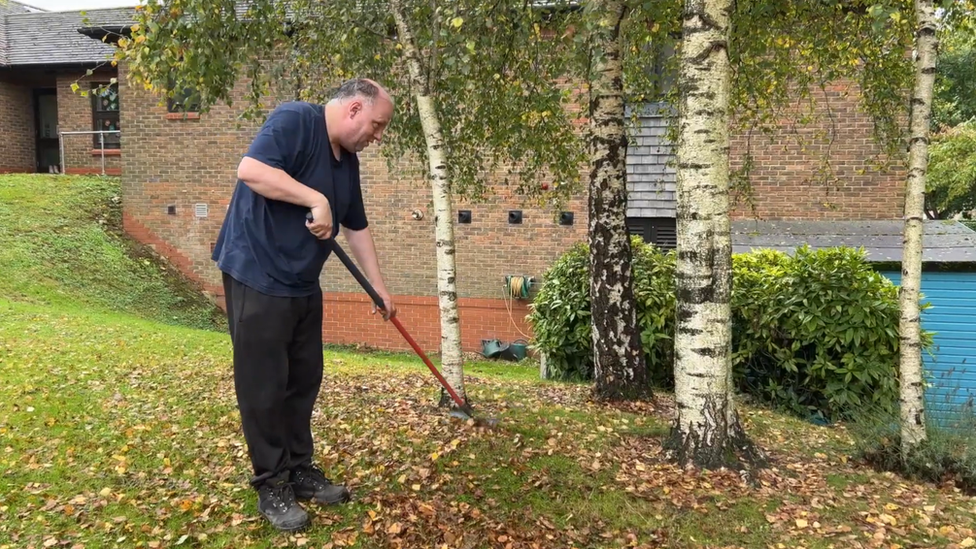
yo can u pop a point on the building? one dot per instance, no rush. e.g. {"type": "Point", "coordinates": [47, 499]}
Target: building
{"type": "Point", "coordinates": [42, 55]}
{"type": "Point", "coordinates": [178, 170]}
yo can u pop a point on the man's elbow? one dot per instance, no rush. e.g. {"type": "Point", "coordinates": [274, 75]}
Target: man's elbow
{"type": "Point", "coordinates": [248, 170]}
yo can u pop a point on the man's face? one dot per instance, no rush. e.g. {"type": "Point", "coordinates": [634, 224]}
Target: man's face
{"type": "Point", "coordinates": [367, 122]}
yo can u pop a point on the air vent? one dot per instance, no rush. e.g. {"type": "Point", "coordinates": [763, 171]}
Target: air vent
{"type": "Point", "coordinates": [660, 231]}
{"type": "Point", "coordinates": [200, 210]}
{"type": "Point", "coordinates": [666, 237]}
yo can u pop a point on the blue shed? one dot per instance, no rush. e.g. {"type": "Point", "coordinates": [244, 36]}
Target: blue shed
{"type": "Point", "coordinates": [948, 286]}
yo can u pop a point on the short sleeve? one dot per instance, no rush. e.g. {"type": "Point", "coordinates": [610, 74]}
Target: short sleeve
{"type": "Point", "coordinates": [278, 142]}
{"type": "Point", "coordinates": [356, 214]}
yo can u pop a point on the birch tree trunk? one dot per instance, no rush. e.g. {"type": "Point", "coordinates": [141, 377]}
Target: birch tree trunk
{"type": "Point", "coordinates": [707, 431]}
{"type": "Point", "coordinates": [911, 384]}
{"type": "Point", "coordinates": [451, 358]}
{"type": "Point", "coordinates": [619, 365]}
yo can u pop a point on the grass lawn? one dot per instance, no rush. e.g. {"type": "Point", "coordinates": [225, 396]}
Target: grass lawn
{"type": "Point", "coordinates": [118, 428]}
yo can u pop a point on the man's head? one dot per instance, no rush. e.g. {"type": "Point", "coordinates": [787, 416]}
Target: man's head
{"type": "Point", "coordinates": [360, 110]}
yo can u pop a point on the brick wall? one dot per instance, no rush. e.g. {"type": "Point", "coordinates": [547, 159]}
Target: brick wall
{"type": "Point", "coordinates": [785, 183]}
{"type": "Point", "coordinates": [176, 161]}
{"type": "Point", "coordinates": [81, 152]}
{"type": "Point", "coordinates": [170, 160]}
{"type": "Point", "coordinates": [16, 128]}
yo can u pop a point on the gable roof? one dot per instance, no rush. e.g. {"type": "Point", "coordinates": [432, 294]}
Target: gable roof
{"type": "Point", "coordinates": [943, 241]}
{"type": "Point", "coordinates": [52, 38]}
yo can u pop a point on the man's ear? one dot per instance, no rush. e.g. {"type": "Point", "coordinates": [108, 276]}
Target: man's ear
{"type": "Point", "coordinates": [355, 107]}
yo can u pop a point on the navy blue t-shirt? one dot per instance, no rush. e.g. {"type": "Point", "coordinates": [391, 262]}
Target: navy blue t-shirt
{"type": "Point", "coordinates": [263, 242]}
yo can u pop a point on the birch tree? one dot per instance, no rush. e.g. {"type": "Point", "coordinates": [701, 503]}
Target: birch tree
{"type": "Point", "coordinates": [619, 366]}
{"type": "Point", "coordinates": [483, 69]}
{"type": "Point", "coordinates": [707, 427]}
{"type": "Point", "coordinates": [912, 387]}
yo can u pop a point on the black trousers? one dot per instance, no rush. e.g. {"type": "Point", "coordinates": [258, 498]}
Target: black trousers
{"type": "Point", "coordinates": [278, 365]}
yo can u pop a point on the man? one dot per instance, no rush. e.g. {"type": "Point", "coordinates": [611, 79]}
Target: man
{"type": "Point", "coordinates": [303, 159]}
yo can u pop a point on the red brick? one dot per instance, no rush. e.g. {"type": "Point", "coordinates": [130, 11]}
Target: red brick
{"type": "Point", "coordinates": [16, 126]}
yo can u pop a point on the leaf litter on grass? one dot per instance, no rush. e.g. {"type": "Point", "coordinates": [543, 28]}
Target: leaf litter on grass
{"type": "Point", "coordinates": [121, 434]}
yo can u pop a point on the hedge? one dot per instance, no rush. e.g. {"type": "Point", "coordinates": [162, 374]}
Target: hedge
{"type": "Point", "coordinates": [815, 332]}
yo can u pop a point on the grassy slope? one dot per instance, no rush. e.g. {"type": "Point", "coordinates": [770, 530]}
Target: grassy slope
{"type": "Point", "coordinates": [61, 244]}
{"type": "Point", "coordinates": [120, 431]}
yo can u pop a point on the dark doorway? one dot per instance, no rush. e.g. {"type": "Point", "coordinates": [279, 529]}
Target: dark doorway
{"type": "Point", "coordinates": [46, 123]}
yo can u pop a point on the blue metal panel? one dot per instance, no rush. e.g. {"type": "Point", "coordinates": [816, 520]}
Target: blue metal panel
{"type": "Point", "coordinates": [950, 364]}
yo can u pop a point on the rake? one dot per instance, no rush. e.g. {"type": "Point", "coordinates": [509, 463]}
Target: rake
{"type": "Point", "coordinates": [463, 410]}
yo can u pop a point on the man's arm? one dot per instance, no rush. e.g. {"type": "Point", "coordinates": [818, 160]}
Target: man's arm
{"type": "Point", "coordinates": [364, 250]}
{"type": "Point", "coordinates": [276, 184]}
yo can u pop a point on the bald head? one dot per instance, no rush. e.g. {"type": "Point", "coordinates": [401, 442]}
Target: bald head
{"type": "Point", "coordinates": [368, 90]}
{"type": "Point", "coordinates": [358, 113]}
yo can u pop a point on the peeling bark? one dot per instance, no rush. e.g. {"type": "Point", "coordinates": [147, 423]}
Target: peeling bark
{"type": "Point", "coordinates": [620, 367]}
{"type": "Point", "coordinates": [707, 431]}
{"type": "Point", "coordinates": [451, 357]}
{"type": "Point", "coordinates": [910, 368]}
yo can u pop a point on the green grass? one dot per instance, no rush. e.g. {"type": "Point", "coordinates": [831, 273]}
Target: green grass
{"type": "Point", "coordinates": [61, 244]}
{"type": "Point", "coordinates": [119, 428]}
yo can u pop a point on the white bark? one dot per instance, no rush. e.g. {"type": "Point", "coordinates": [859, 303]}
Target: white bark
{"type": "Point", "coordinates": [618, 357]}
{"type": "Point", "coordinates": [707, 427]}
{"type": "Point", "coordinates": [451, 357]}
{"type": "Point", "coordinates": [911, 384]}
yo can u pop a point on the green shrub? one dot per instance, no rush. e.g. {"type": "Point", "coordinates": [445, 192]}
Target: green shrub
{"type": "Point", "coordinates": [815, 333]}
{"type": "Point", "coordinates": [560, 313]}
{"type": "Point", "coordinates": [560, 316]}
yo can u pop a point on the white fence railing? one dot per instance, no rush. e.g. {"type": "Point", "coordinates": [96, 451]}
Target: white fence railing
{"type": "Point", "coordinates": [101, 140]}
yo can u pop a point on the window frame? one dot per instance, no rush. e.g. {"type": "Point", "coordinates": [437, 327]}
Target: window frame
{"type": "Point", "coordinates": [99, 116]}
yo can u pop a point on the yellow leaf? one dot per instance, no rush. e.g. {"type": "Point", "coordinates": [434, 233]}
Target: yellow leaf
{"type": "Point", "coordinates": [968, 542]}
{"type": "Point", "coordinates": [457, 22]}
{"type": "Point", "coordinates": [394, 528]}
{"type": "Point", "coordinates": [434, 456]}
{"type": "Point", "coordinates": [801, 523]}
{"type": "Point", "coordinates": [416, 487]}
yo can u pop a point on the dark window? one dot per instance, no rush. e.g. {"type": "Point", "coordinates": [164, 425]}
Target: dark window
{"type": "Point", "coordinates": [187, 101]}
{"type": "Point", "coordinates": [660, 231]}
{"type": "Point", "coordinates": [105, 115]}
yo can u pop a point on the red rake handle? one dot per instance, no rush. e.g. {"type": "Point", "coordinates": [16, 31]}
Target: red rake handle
{"type": "Point", "coordinates": [396, 322]}
{"type": "Point", "coordinates": [403, 332]}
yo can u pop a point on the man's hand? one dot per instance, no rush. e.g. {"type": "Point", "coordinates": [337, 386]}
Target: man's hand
{"type": "Point", "coordinates": [321, 223]}
{"type": "Point", "coordinates": [389, 309]}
